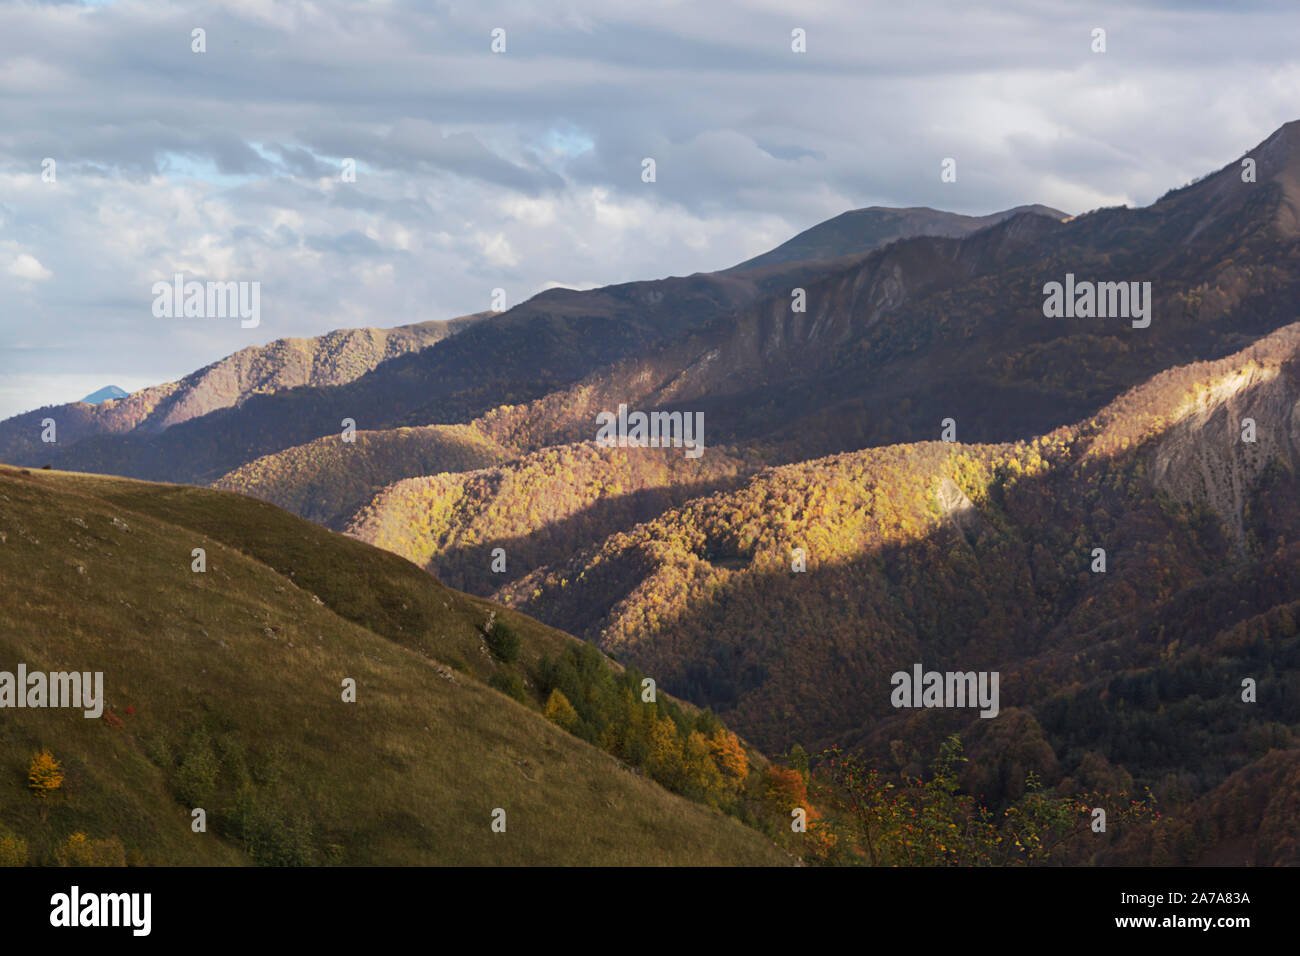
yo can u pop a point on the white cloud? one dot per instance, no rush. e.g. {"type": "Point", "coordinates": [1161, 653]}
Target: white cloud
{"type": "Point", "coordinates": [477, 170]}
{"type": "Point", "coordinates": [496, 249]}
{"type": "Point", "coordinates": [27, 266]}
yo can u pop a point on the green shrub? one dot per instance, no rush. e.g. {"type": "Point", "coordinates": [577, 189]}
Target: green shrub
{"type": "Point", "coordinates": [511, 684]}
{"type": "Point", "coordinates": [195, 781]}
{"type": "Point", "coordinates": [503, 642]}
{"type": "Point", "coordinates": [234, 761]}
{"type": "Point", "coordinates": [271, 836]}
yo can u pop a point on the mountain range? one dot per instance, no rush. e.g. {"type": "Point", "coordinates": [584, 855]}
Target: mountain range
{"type": "Point", "coordinates": [907, 460]}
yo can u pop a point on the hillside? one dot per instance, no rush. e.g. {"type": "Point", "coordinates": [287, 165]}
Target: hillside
{"type": "Point", "coordinates": [223, 691]}
{"type": "Point", "coordinates": [329, 480]}
{"type": "Point", "coordinates": [331, 359]}
{"type": "Point", "coordinates": [899, 337]}
{"type": "Point", "coordinates": [1114, 530]}
{"type": "Point", "coordinates": [539, 509]}
{"type": "Point", "coordinates": [981, 557]}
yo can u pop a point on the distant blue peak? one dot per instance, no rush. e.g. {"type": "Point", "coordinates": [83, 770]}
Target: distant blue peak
{"type": "Point", "coordinates": [104, 394]}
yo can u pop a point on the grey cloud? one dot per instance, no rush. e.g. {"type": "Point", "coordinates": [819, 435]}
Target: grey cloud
{"type": "Point", "coordinates": [472, 171]}
{"type": "Point", "coordinates": [351, 243]}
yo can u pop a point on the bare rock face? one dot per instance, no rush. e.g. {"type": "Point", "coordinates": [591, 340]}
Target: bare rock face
{"type": "Point", "coordinates": [1207, 456]}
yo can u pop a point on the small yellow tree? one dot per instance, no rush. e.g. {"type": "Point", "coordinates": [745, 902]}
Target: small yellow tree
{"type": "Point", "coordinates": [560, 711]}
{"type": "Point", "coordinates": [665, 761]}
{"type": "Point", "coordinates": [702, 775]}
{"type": "Point", "coordinates": [45, 775]}
{"type": "Point", "coordinates": [80, 850]}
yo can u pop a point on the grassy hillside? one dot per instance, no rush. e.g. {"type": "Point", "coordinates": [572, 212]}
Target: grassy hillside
{"type": "Point", "coordinates": [329, 480]}
{"type": "Point", "coordinates": [225, 692]}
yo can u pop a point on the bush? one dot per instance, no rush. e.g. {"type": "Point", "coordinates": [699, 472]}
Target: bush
{"type": "Point", "coordinates": [268, 834]}
{"type": "Point", "coordinates": [80, 850]}
{"type": "Point", "coordinates": [234, 760]}
{"type": "Point", "coordinates": [511, 684]}
{"type": "Point", "coordinates": [196, 778]}
{"type": "Point", "coordinates": [13, 850]}
{"type": "Point", "coordinates": [503, 642]}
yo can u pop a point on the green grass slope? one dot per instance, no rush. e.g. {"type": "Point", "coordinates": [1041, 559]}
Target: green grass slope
{"type": "Point", "coordinates": [233, 680]}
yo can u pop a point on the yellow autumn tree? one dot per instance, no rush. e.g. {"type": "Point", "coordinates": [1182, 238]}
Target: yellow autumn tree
{"type": "Point", "coordinates": [665, 761]}
{"type": "Point", "coordinates": [559, 711]}
{"type": "Point", "coordinates": [80, 850]}
{"type": "Point", "coordinates": [703, 779]}
{"type": "Point", "coordinates": [44, 775]}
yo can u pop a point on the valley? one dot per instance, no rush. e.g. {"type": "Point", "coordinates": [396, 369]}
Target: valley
{"type": "Point", "coordinates": [1056, 452]}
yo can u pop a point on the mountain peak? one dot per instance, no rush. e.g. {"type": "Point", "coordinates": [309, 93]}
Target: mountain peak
{"type": "Point", "coordinates": [859, 231]}
{"type": "Point", "coordinates": [1234, 192]}
{"type": "Point", "coordinates": [105, 394]}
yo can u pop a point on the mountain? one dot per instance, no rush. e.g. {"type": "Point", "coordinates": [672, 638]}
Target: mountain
{"type": "Point", "coordinates": [898, 339]}
{"type": "Point", "coordinates": [861, 230]}
{"type": "Point", "coordinates": [924, 329]}
{"type": "Point", "coordinates": [981, 557]}
{"type": "Point", "coordinates": [542, 345]}
{"type": "Point", "coordinates": [909, 460]}
{"type": "Point", "coordinates": [331, 359]}
{"type": "Point", "coordinates": [545, 344]}
{"type": "Point", "coordinates": [107, 393]}
{"type": "Point", "coordinates": [915, 326]}
{"type": "Point", "coordinates": [224, 691]}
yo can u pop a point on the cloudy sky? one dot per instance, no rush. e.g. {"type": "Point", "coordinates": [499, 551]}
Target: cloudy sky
{"type": "Point", "coordinates": [523, 169]}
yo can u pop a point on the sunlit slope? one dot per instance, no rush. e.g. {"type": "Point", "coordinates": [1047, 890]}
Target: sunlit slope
{"type": "Point", "coordinates": [234, 679]}
{"type": "Point", "coordinates": [334, 358]}
{"type": "Point", "coordinates": [984, 557]}
{"type": "Point", "coordinates": [328, 480]}
{"type": "Point", "coordinates": [539, 509]}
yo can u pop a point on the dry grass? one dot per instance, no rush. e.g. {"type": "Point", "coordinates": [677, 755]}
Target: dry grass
{"type": "Point", "coordinates": [96, 576]}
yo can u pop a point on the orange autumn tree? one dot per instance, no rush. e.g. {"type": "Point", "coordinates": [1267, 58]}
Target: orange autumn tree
{"type": "Point", "coordinates": [729, 755]}
{"type": "Point", "coordinates": [786, 792]}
